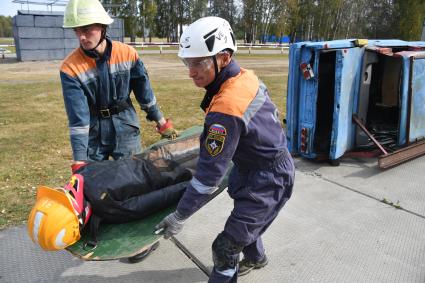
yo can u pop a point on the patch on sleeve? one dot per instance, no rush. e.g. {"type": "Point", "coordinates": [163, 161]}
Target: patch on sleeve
{"type": "Point", "coordinates": [215, 139]}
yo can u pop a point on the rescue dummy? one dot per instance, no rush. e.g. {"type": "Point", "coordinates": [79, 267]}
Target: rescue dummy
{"type": "Point", "coordinates": [113, 192]}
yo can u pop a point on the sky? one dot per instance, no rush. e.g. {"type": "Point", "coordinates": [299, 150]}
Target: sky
{"type": "Point", "coordinates": [8, 8]}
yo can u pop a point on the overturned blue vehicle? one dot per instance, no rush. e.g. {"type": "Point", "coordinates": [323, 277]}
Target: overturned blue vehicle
{"type": "Point", "coordinates": [356, 95]}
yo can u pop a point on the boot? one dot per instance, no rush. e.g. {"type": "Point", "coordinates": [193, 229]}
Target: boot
{"type": "Point", "coordinates": [245, 266]}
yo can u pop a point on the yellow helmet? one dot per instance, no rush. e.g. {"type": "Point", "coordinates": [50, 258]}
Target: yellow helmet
{"type": "Point", "coordinates": [80, 13]}
{"type": "Point", "coordinates": [53, 222]}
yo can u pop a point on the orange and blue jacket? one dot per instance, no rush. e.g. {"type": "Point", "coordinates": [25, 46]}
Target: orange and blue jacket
{"type": "Point", "coordinates": [241, 125]}
{"type": "Point", "coordinates": [89, 84]}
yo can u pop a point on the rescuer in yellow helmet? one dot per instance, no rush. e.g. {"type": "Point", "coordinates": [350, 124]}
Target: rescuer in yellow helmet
{"type": "Point", "coordinates": [97, 79]}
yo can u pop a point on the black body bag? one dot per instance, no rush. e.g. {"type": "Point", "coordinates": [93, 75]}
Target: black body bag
{"type": "Point", "coordinates": [130, 189]}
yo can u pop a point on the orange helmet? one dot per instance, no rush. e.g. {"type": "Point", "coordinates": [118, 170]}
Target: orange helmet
{"type": "Point", "coordinates": [56, 219]}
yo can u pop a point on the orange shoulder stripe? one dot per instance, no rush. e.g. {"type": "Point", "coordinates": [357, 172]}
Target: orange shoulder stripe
{"type": "Point", "coordinates": [122, 52]}
{"type": "Point", "coordinates": [77, 63]}
{"type": "Point", "coordinates": [235, 94]}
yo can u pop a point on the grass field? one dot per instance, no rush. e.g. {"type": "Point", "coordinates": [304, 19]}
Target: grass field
{"type": "Point", "coordinates": [34, 143]}
{"type": "Point", "coordinates": [7, 41]}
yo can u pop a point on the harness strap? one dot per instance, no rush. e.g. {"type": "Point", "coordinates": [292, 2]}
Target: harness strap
{"type": "Point", "coordinates": [94, 224]}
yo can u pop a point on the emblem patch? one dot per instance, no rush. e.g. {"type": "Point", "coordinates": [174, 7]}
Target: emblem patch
{"type": "Point", "coordinates": [215, 139]}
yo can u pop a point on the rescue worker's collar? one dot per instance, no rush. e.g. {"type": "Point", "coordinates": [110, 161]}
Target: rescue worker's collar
{"type": "Point", "coordinates": [226, 73]}
{"type": "Point", "coordinates": [95, 55]}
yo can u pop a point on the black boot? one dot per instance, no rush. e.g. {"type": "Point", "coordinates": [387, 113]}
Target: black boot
{"type": "Point", "coordinates": [245, 266]}
{"type": "Point", "coordinates": [139, 257]}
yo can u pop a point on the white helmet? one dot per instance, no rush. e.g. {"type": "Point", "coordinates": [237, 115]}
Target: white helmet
{"type": "Point", "coordinates": [206, 37]}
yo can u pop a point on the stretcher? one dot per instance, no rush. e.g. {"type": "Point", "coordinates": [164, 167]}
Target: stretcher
{"type": "Point", "coordinates": [125, 240]}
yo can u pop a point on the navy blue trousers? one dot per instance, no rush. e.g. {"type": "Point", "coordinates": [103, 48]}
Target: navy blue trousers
{"type": "Point", "coordinates": [258, 197]}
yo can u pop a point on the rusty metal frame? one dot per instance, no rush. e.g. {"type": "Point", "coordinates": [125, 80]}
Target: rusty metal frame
{"type": "Point", "coordinates": [414, 150]}
{"type": "Point", "coordinates": [361, 126]}
{"type": "Point", "coordinates": [387, 160]}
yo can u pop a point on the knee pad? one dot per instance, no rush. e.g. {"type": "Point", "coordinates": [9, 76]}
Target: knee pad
{"type": "Point", "coordinates": [225, 252]}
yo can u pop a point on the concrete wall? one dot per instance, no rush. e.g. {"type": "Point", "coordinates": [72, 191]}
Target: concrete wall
{"type": "Point", "coordinates": [40, 36]}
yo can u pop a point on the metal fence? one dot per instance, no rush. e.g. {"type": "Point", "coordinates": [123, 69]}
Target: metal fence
{"type": "Point", "coordinates": [242, 46]}
{"type": "Point", "coordinates": [4, 50]}
{"type": "Point", "coordinates": [164, 47]}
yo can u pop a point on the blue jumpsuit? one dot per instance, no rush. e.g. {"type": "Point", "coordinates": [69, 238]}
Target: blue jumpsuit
{"type": "Point", "coordinates": [96, 91]}
{"type": "Point", "coordinates": [241, 125]}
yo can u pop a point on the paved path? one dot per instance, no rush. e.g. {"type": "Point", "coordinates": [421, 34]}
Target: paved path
{"type": "Point", "coordinates": [335, 228]}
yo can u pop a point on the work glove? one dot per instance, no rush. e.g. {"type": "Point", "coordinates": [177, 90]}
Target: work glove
{"type": "Point", "coordinates": [170, 225]}
{"type": "Point", "coordinates": [77, 165]}
{"type": "Point", "coordinates": [167, 130]}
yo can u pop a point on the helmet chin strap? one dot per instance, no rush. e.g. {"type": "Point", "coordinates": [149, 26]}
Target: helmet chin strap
{"type": "Point", "coordinates": [215, 67]}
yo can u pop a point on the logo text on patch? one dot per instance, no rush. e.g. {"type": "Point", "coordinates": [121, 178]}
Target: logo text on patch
{"type": "Point", "coordinates": [214, 142]}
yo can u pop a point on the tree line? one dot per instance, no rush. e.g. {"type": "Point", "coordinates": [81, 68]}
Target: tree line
{"type": "Point", "coordinates": [252, 19]}
{"type": "Point", "coordinates": [6, 26]}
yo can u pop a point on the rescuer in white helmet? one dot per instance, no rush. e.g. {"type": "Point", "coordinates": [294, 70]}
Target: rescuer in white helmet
{"type": "Point", "coordinates": [241, 125]}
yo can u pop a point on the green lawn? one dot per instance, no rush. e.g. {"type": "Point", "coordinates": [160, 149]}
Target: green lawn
{"type": "Point", "coordinates": [6, 40]}
{"type": "Point", "coordinates": [34, 145]}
